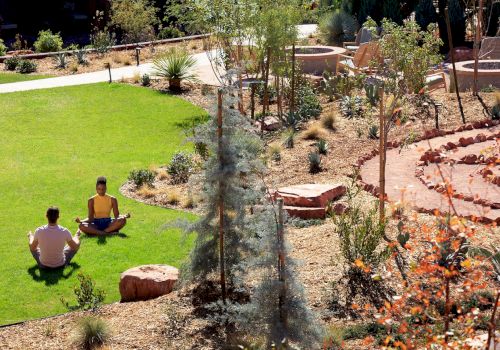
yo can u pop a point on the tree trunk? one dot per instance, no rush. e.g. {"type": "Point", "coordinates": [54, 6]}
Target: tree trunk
{"type": "Point", "coordinates": [281, 267]}
{"type": "Point", "coordinates": [265, 107]}
{"type": "Point", "coordinates": [241, 107]}
{"type": "Point", "coordinates": [452, 54]}
{"type": "Point", "coordinates": [221, 199]}
{"type": "Point", "coordinates": [292, 99]}
{"type": "Point", "coordinates": [382, 154]}
{"type": "Point", "coordinates": [476, 45]}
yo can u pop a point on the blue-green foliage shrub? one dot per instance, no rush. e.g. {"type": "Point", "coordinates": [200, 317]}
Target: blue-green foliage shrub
{"type": "Point", "coordinates": [48, 42]}
{"type": "Point", "coordinates": [26, 66]}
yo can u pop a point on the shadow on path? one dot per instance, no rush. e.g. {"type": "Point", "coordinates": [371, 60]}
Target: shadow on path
{"type": "Point", "coordinates": [52, 276]}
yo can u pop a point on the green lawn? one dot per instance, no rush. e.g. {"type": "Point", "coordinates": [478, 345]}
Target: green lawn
{"type": "Point", "coordinates": [15, 77]}
{"type": "Point", "coordinates": [53, 145]}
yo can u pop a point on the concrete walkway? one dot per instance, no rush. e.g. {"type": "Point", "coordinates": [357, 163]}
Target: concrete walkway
{"type": "Point", "coordinates": [203, 70]}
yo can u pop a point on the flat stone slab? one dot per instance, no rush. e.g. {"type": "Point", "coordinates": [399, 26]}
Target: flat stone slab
{"type": "Point", "coordinates": [147, 282]}
{"type": "Point", "coordinates": [306, 213]}
{"type": "Point", "coordinates": [310, 195]}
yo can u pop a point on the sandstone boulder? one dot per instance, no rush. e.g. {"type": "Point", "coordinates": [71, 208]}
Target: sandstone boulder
{"type": "Point", "coordinates": [147, 282]}
{"type": "Point", "coordinates": [310, 195]}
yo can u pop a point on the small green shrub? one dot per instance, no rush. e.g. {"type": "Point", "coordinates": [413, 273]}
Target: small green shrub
{"type": "Point", "coordinates": [373, 132]}
{"type": "Point", "coordinates": [61, 61]}
{"type": "Point", "coordinates": [180, 167]}
{"type": "Point", "coordinates": [351, 107]}
{"type": "Point", "coordinates": [307, 103]}
{"type": "Point", "coordinates": [102, 41]}
{"type": "Point", "coordinates": [371, 90]}
{"type": "Point", "coordinates": [26, 66]}
{"type": "Point", "coordinates": [48, 42]}
{"type": "Point", "coordinates": [314, 162]}
{"type": "Point", "coordinates": [88, 297]}
{"type": "Point", "coordinates": [170, 32]}
{"type": "Point", "coordinates": [361, 331]}
{"type": "Point", "coordinates": [322, 146]}
{"type": "Point", "coordinates": [91, 332]}
{"type": "Point", "coordinates": [11, 63]}
{"type": "Point", "coordinates": [275, 152]}
{"type": "Point", "coordinates": [145, 79]}
{"type": "Point", "coordinates": [141, 176]}
{"type": "Point", "coordinates": [3, 48]}
{"type": "Point", "coordinates": [271, 93]}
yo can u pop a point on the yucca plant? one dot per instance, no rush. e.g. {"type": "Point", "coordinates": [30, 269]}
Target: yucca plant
{"type": "Point", "coordinates": [81, 56]}
{"type": "Point", "coordinates": [322, 146]}
{"type": "Point", "coordinates": [314, 162]}
{"type": "Point", "coordinates": [176, 66]}
{"type": "Point", "coordinates": [61, 61]}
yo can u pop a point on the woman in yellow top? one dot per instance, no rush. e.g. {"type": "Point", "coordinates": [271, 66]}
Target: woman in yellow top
{"type": "Point", "coordinates": [99, 221]}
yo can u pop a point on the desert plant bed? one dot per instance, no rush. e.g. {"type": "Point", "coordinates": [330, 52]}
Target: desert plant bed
{"type": "Point", "coordinates": [96, 62]}
{"type": "Point", "coordinates": [54, 144]}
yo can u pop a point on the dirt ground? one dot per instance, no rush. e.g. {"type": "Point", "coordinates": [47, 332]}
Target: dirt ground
{"type": "Point", "coordinates": [168, 322]}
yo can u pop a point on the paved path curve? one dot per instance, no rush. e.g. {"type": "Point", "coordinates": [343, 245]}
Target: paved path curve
{"type": "Point", "coordinates": [403, 184]}
{"type": "Point", "coordinates": [203, 69]}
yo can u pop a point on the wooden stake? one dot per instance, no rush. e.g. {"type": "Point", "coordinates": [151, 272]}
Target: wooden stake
{"type": "Point", "coordinates": [382, 158]}
{"type": "Point", "coordinates": [221, 199]}
{"type": "Point", "coordinates": [292, 102]}
{"type": "Point", "coordinates": [476, 45]}
{"type": "Point", "coordinates": [252, 101]}
{"type": "Point", "coordinates": [281, 265]}
{"type": "Point", "coordinates": [452, 54]}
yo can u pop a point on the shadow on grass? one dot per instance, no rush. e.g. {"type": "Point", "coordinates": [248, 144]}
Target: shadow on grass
{"type": "Point", "coordinates": [104, 239]}
{"type": "Point", "coordinates": [52, 276]}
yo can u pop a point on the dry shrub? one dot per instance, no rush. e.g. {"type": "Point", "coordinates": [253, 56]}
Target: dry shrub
{"type": "Point", "coordinates": [173, 197]}
{"type": "Point", "coordinates": [161, 174]}
{"type": "Point", "coordinates": [188, 202]}
{"type": "Point", "coordinates": [328, 121]}
{"type": "Point", "coordinates": [121, 58]}
{"type": "Point", "coordinates": [91, 332]}
{"type": "Point", "coordinates": [314, 132]}
{"type": "Point", "coordinates": [136, 78]}
{"type": "Point", "coordinates": [147, 191]}
{"type": "Point", "coordinates": [73, 67]}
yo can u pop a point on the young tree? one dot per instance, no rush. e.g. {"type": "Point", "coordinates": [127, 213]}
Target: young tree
{"type": "Point", "coordinates": [278, 308]}
{"type": "Point", "coordinates": [135, 18]}
{"type": "Point", "coordinates": [228, 176]}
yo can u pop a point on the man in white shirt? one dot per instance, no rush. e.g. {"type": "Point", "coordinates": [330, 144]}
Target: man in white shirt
{"type": "Point", "coordinates": [48, 244]}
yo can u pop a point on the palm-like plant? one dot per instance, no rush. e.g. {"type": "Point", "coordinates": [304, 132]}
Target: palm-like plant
{"type": "Point", "coordinates": [175, 65]}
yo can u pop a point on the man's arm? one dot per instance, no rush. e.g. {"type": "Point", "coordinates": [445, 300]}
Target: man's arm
{"type": "Point", "coordinates": [116, 212]}
{"type": "Point", "coordinates": [33, 242]}
{"type": "Point", "coordinates": [74, 242]}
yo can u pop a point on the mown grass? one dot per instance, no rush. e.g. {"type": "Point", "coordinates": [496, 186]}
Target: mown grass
{"type": "Point", "coordinates": [16, 77]}
{"type": "Point", "coordinates": [53, 145]}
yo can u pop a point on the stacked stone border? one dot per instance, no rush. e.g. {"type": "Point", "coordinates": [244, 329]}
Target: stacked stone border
{"type": "Point", "coordinates": [430, 134]}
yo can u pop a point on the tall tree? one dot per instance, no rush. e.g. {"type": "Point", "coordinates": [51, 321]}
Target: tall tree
{"type": "Point", "coordinates": [392, 10]}
{"type": "Point", "coordinates": [425, 13]}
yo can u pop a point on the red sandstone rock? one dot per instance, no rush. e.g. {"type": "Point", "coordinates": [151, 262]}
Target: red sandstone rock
{"type": "Point", "coordinates": [464, 142]}
{"type": "Point", "coordinates": [480, 138]}
{"type": "Point", "coordinates": [495, 205]}
{"type": "Point", "coordinates": [270, 123]}
{"type": "Point", "coordinates": [310, 195]}
{"type": "Point", "coordinates": [147, 282]}
{"type": "Point", "coordinates": [469, 159]}
{"type": "Point", "coordinates": [306, 212]}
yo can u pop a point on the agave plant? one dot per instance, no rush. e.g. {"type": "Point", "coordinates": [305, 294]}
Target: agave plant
{"type": "Point", "coordinates": [492, 254]}
{"type": "Point", "coordinates": [61, 61]}
{"type": "Point", "coordinates": [176, 66]}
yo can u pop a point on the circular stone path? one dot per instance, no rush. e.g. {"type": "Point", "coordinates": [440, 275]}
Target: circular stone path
{"type": "Point", "coordinates": [413, 176]}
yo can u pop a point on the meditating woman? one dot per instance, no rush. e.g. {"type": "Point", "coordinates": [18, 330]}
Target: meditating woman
{"type": "Point", "coordinates": [100, 205]}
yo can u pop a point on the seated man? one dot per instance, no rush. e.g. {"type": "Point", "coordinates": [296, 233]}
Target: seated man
{"type": "Point", "coordinates": [48, 245]}
{"type": "Point", "coordinates": [99, 221]}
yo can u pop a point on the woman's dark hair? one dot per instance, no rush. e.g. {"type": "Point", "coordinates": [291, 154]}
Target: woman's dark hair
{"type": "Point", "coordinates": [53, 214]}
{"type": "Point", "coordinates": [101, 180]}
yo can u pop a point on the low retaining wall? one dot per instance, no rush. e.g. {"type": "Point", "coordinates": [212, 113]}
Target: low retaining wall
{"type": "Point", "coordinates": [113, 48]}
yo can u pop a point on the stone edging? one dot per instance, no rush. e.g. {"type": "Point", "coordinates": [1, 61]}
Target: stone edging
{"type": "Point", "coordinates": [435, 156]}
{"type": "Point", "coordinates": [428, 134]}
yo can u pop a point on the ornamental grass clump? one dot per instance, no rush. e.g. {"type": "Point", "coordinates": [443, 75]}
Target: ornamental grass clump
{"type": "Point", "coordinates": [175, 66]}
{"type": "Point", "coordinates": [91, 332]}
